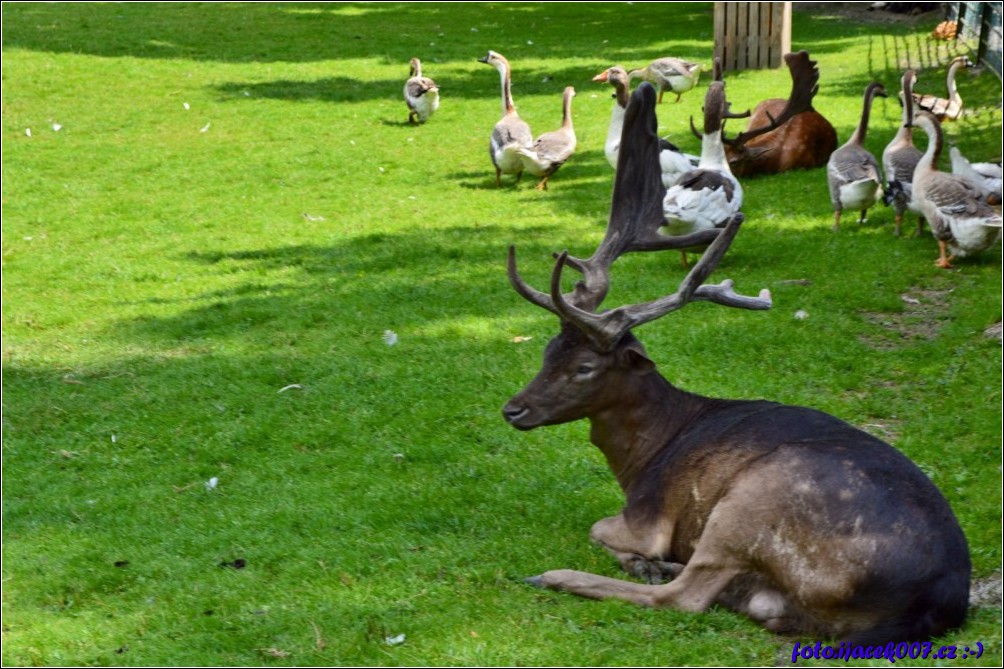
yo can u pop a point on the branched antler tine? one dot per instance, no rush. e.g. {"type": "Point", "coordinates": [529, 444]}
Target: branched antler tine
{"type": "Point", "coordinates": [731, 114]}
{"type": "Point", "coordinates": [693, 129]}
{"type": "Point", "coordinates": [691, 289]}
{"type": "Point", "coordinates": [607, 328]}
{"type": "Point", "coordinates": [659, 242]}
{"type": "Point", "coordinates": [576, 264]}
{"type": "Point", "coordinates": [528, 293]}
{"type": "Point", "coordinates": [562, 307]}
{"type": "Point", "coordinates": [724, 294]}
{"type": "Point", "coordinates": [706, 265]}
{"type": "Point", "coordinates": [603, 329]}
{"type": "Point", "coordinates": [804, 86]}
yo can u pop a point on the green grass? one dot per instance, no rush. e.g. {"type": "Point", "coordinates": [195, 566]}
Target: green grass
{"type": "Point", "coordinates": [167, 272]}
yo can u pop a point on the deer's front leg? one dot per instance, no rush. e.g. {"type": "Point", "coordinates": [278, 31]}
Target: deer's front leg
{"type": "Point", "coordinates": [639, 554]}
{"type": "Point", "coordinates": [695, 589]}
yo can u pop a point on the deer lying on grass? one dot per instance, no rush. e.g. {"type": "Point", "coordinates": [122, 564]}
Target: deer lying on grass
{"type": "Point", "coordinates": [784, 134]}
{"type": "Point", "coordinates": [786, 514]}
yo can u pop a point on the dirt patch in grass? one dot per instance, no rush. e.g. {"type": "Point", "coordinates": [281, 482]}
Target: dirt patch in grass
{"type": "Point", "coordinates": [924, 314]}
{"type": "Point", "coordinates": [994, 331]}
{"type": "Point", "coordinates": [987, 592]}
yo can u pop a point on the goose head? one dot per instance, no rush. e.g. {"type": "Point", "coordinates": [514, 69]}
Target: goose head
{"type": "Point", "coordinates": [497, 60]}
{"type": "Point", "coordinates": [617, 77]}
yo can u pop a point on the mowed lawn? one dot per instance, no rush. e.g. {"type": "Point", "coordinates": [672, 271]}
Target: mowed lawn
{"type": "Point", "coordinates": [257, 330]}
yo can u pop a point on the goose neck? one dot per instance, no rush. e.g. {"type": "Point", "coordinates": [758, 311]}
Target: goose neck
{"type": "Point", "coordinates": [713, 152]}
{"type": "Point", "coordinates": [862, 130]}
{"type": "Point", "coordinates": [507, 105]}
{"type": "Point", "coordinates": [621, 94]}
{"type": "Point", "coordinates": [566, 109]}
{"type": "Point", "coordinates": [935, 143]}
{"type": "Point", "coordinates": [953, 91]}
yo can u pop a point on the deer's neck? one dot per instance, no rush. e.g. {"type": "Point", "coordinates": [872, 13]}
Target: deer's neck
{"type": "Point", "coordinates": [642, 424]}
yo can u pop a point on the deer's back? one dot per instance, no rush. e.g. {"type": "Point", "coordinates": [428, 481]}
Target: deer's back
{"type": "Point", "coordinates": [796, 467]}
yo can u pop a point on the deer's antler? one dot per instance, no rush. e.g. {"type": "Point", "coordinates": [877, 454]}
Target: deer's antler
{"type": "Point", "coordinates": [635, 211]}
{"type": "Point", "coordinates": [726, 112]}
{"type": "Point", "coordinates": [804, 85]}
{"type": "Point", "coordinates": [635, 217]}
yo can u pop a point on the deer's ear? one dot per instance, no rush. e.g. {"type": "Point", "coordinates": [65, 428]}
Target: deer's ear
{"type": "Point", "coordinates": [634, 359]}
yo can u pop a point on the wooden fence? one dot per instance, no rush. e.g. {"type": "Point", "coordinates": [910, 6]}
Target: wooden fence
{"type": "Point", "coordinates": [752, 35]}
{"type": "Point", "coordinates": [979, 27]}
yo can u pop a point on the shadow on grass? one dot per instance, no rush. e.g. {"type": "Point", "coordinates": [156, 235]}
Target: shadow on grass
{"type": "Point", "coordinates": [445, 35]}
{"type": "Point", "coordinates": [261, 32]}
{"type": "Point", "coordinates": [360, 287]}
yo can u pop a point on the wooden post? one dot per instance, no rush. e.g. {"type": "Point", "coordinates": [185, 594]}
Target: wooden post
{"type": "Point", "coordinates": [752, 35]}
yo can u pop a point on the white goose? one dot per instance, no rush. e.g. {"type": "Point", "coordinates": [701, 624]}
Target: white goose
{"type": "Point", "coordinates": [421, 94]}
{"type": "Point", "coordinates": [672, 161]}
{"type": "Point", "coordinates": [669, 74]}
{"type": "Point", "coordinates": [987, 177]}
{"type": "Point", "coordinates": [511, 133]}
{"type": "Point", "coordinates": [950, 108]}
{"type": "Point", "coordinates": [852, 172]}
{"type": "Point", "coordinates": [708, 196]}
{"type": "Point", "coordinates": [959, 216]}
{"type": "Point", "coordinates": [552, 149]}
{"type": "Point", "coordinates": [900, 158]}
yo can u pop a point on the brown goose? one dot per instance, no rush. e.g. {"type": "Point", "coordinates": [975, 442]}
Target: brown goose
{"type": "Point", "coordinates": [958, 213]}
{"type": "Point", "coordinates": [421, 94]}
{"type": "Point", "coordinates": [900, 158]}
{"type": "Point", "coordinates": [552, 149]}
{"type": "Point", "coordinates": [511, 133]}
{"type": "Point", "coordinates": [950, 108]}
{"type": "Point", "coordinates": [852, 171]}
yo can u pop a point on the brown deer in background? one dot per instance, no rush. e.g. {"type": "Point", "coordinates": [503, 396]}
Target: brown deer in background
{"type": "Point", "coordinates": [785, 134]}
{"type": "Point", "coordinates": [786, 514]}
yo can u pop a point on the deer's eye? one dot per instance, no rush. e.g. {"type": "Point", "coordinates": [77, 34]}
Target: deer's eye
{"type": "Point", "coordinates": [584, 370]}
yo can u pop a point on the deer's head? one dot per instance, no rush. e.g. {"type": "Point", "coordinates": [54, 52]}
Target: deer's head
{"type": "Point", "coordinates": [772, 114]}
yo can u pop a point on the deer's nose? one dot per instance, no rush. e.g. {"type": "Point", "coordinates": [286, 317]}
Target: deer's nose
{"type": "Point", "coordinates": [512, 412]}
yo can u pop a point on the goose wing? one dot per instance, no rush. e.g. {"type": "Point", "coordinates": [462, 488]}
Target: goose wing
{"type": "Point", "coordinates": [956, 198]}
{"type": "Point", "coordinates": [511, 130]}
{"type": "Point", "coordinates": [701, 199]}
{"type": "Point", "coordinates": [419, 86]}
{"type": "Point", "coordinates": [555, 146]}
{"type": "Point", "coordinates": [901, 163]}
{"type": "Point", "coordinates": [851, 163]}
{"type": "Point", "coordinates": [672, 67]}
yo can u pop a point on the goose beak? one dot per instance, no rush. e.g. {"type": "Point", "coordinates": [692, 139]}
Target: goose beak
{"type": "Point", "coordinates": [602, 76]}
